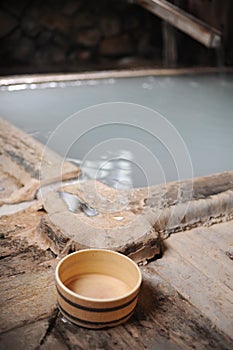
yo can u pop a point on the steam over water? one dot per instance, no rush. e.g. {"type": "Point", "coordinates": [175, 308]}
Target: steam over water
{"type": "Point", "coordinates": [200, 107]}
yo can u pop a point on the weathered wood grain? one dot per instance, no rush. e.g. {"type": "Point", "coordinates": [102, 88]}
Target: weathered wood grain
{"type": "Point", "coordinates": [201, 272]}
{"type": "Point", "coordinates": [149, 215]}
{"type": "Point", "coordinates": [169, 314]}
{"type": "Point", "coordinates": [163, 320]}
{"type": "Point", "coordinates": [26, 164]}
{"type": "Point", "coordinates": [53, 340]}
{"type": "Point", "coordinates": [124, 73]}
{"type": "Point", "coordinates": [24, 338]}
{"type": "Point", "coordinates": [26, 275]}
{"type": "Point", "coordinates": [26, 297]}
{"type": "Point", "coordinates": [133, 234]}
{"type": "Point", "coordinates": [186, 299]}
{"type": "Point", "coordinates": [19, 231]}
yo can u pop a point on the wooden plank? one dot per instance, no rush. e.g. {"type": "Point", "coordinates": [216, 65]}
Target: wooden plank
{"type": "Point", "coordinates": [26, 80]}
{"type": "Point", "coordinates": [39, 335]}
{"type": "Point", "coordinates": [198, 30]}
{"type": "Point", "coordinates": [170, 52]}
{"type": "Point", "coordinates": [121, 230]}
{"type": "Point", "coordinates": [53, 341]}
{"type": "Point", "coordinates": [137, 228]}
{"type": "Point", "coordinates": [225, 235]}
{"type": "Point", "coordinates": [26, 297]}
{"type": "Point", "coordinates": [18, 231]}
{"type": "Point", "coordinates": [193, 275]}
{"type": "Point", "coordinates": [26, 273]}
{"type": "Point", "coordinates": [25, 165]}
{"type": "Point", "coordinates": [206, 254]}
{"type": "Point", "coordinates": [162, 320]}
{"type": "Point", "coordinates": [24, 338]}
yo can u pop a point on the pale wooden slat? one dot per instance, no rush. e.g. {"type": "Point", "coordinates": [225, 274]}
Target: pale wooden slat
{"type": "Point", "coordinates": [202, 290]}
{"type": "Point", "coordinates": [206, 256]}
{"type": "Point", "coordinates": [25, 165]}
{"type": "Point", "coordinates": [226, 235]}
{"type": "Point", "coordinates": [120, 73]}
{"type": "Point", "coordinates": [197, 29]}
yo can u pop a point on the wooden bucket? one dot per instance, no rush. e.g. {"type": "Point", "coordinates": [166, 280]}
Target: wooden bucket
{"type": "Point", "coordinates": [97, 288]}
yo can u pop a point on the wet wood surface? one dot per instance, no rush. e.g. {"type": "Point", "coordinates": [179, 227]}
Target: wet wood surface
{"type": "Point", "coordinates": [186, 301]}
{"type": "Point", "coordinates": [119, 73]}
{"type": "Point", "coordinates": [26, 164]}
{"type": "Point", "coordinates": [197, 263]}
{"type": "Point", "coordinates": [147, 216]}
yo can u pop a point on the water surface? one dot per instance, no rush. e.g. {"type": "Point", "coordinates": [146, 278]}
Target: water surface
{"type": "Point", "coordinates": [199, 106]}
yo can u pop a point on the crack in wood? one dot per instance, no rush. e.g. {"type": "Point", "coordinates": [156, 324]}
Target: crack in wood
{"type": "Point", "coordinates": [20, 160]}
{"type": "Point", "coordinates": [230, 255]}
{"type": "Point", "coordinates": [33, 243]}
{"type": "Point", "coordinates": [51, 324]}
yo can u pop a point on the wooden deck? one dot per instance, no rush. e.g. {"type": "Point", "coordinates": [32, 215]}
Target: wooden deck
{"type": "Point", "coordinates": [186, 301]}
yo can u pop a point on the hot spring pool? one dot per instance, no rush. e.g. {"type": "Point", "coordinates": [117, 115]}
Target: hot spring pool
{"type": "Point", "coordinates": [200, 107]}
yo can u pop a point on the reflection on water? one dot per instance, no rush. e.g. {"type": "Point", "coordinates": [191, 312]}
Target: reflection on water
{"type": "Point", "coordinates": [53, 84]}
{"type": "Point", "coordinates": [117, 172]}
{"type": "Point", "coordinates": [117, 169]}
{"type": "Point", "coordinates": [199, 106]}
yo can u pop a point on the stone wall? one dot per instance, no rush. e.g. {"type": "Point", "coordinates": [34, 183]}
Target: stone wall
{"type": "Point", "coordinates": [76, 35]}
{"type": "Point", "coordinates": [45, 36]}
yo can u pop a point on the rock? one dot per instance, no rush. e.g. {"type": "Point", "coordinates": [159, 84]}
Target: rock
{"type": "Point", "coordinates": [8, 45]}
{"type": "Point", "coordinates": [56, 21]}
{"type": "Point", "coordinates": [57, 54]}
{"type": "Point", "coordinates": [49, 54]}
{"type": "Point", "coordinates": [130, 62]}
{"type": "Point", "coordinates": [70, 7]}
{"type": "Point", "coordinates": [22, 49]}
{"type": "Point", "coordinates": [41, 56]}
{"type": "Point", "coordinates": [132, 21]}
{"type": "Point", "coordinates": [44, 37]}
{"type": "Point", "coordinates": [79, 54]}
{"type": "Point", "coordinates": [15, 7]}
{"type": "Point", "coordinates": [30, 26]}
{"type": "Point", "coordinates": [110, 25]}
{"type": "Point", "coordinates": [7, 23]}
{"type": "Point", "coordinates": [117, 46]}
{"type": "Point", "coordinates": [88, 38]}
{"type": "Point", "coordinates": [84, 20]}
{"type": "Point", "coordinates": [35, 10]}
